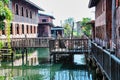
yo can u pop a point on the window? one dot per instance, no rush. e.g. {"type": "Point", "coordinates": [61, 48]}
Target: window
{"type": "Point", "coordinates": [31, 29]}
{"type": "Point", "coordinates": [31, 14]}
{"type": "Point", "coordinates": [22, 29]}
{"type": "Point", "coordinates": [11, 28]}
{"type": "Point", "coordinates": [16, 9]}
{"type": "Point", "coordinates": [34, 29]}
{"type": "Point", "coordinates": [117, 3]}
{"type": "Point", "coordinates": [17, 28]}
{"type": "Point", "coordinates": [44, 20]}
{"type": "Point", "coordinates": [22, 11]}
{"type": "Point", "coordinates": [27, 28]}
{"type": "Point", "coordinates": [3, 32]}
{"type": "Point", "coordinates": [119, 31]}
{"type": "Point", "coordinates": [26, 12]}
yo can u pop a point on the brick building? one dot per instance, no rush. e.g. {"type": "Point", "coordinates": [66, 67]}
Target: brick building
{"type": "Point", "coordinates": [45, 24]}
{"type": "Point", "coordinates": [25, 19]}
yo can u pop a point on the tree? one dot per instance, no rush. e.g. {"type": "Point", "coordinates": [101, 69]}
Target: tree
{"type": "Point", "coordinates": [68, 24]}
{"type": "Point", "coordinates": [86, 28]}
{"type": "Point", "coordinates": [5, 18]}
{"type": "Point", "coordinates": [67, 30]}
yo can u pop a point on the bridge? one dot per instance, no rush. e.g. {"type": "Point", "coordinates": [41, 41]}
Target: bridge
{"type": "Point", "coordinates": [68, 47]}
{"type": "Point", "coordinates": [104, 59]}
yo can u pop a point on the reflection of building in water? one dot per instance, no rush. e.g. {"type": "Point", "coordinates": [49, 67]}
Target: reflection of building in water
{"type": "Point", "coordinates": [57, 31]}
{"type": "Point", "coordinates": [32, 60]}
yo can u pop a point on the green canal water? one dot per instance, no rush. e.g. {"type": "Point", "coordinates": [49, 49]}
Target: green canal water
{"type": "Point", "coordinates": [38, 68]}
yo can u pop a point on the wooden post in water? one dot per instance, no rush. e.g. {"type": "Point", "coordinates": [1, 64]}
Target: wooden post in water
{"type": "Point", "coordinates": [22, 56]}
{"type": "Point", "coordinates": [54, 58]}
{"type": "Point", "coordinates": [26, 56]}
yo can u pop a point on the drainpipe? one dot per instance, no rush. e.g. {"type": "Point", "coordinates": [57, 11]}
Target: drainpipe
{"type": "Point", "coordinates": [113, 25]}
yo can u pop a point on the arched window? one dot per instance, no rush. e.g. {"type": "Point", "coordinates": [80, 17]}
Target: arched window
{"type": "Point", "coordinates": [31, 14]}
{"type": "Point", "coordinates": [22, 29]}
{"type": "Point", "coordinates": [22, 11]}
{"type": "Point", "coordinates": [26, 12]}
{"type": "Point", "coordinates": [16, 9]}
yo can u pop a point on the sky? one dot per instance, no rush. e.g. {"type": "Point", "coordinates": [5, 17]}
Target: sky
{"type": "Point", "coordinates": [63, 9]}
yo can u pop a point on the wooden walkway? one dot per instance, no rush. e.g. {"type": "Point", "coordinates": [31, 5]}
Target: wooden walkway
{"type": "Point", "coordinates": [62, 46]}
{"type": "Point", "coordinates": [27, 42]}
{"type": "Point", "coordinates": [69, 47]}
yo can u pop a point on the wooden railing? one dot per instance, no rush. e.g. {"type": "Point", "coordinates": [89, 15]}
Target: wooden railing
{"type": "Point", "coordinates": [69, 45]}
{"type": "Point", "coordinates": [27, 42]}
{"type": "Point", "coordinates": [108, 62]}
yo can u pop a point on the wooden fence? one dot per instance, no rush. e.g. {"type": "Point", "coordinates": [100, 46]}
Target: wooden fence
{"type": "Point", "coordinates": [69, 45]}
{"type": "Point", "coordinates": [27, 42]}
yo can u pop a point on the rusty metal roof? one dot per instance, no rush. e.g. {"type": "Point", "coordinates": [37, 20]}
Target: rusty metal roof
{"type": "Point", "coordinates": [93, 3]}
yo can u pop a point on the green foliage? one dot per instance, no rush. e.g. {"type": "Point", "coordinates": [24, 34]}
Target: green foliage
{"type": "Point", "coordinates": [5, 18]}
{"type": "Point", "coordinates": [8, 13]}
{"type": "Point", "coordinates": [70, 21]}
{"type": "Point", "coordinates": [1, 44]}
{"type": "Point", "coordinates": [5, 13]}
{"type": "Point", "coordinates": [5, 1]}
{"type": "Point", "coordinates": [67, 30]}
{"type": "Point", "coordinates": [68, 24]}
{"type": "Point", "coordinates": [86, 28]}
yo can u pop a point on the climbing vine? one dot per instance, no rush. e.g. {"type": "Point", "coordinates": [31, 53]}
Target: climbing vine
{"type": "Point", "coordinates": [5, 18]}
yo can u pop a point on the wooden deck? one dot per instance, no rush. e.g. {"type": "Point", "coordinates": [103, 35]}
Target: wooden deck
{"type": "Point", "coordinates": [27, 42]}
{"type": "Point", "coordinates": [69, 47]}
{"type": "Point", "coordinates": [67, 51]}
{"type": "Point", "coordinates": [75, 46]}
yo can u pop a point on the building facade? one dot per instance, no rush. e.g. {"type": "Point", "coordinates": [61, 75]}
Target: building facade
{"type": "Point", "coordinates": [118, 26]}
{"type": "Point", "coordinates": [57, 31]}
{"type": "Point", "coordinates": [107, 23]}
{"type": "Point", "coordinates": [44, 25]}
{"type": "Point", "coordinates": [103, 21]}
{"type": "Point", "coordinates": [25, 19]}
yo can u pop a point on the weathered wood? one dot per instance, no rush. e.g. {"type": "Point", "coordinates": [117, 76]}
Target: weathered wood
{"type": "Point", "coordinates": [27, 42]}
{"type": "Point", "coordinates": [69, 45]}
{"type": "Point", "coordinates": [108, 62]}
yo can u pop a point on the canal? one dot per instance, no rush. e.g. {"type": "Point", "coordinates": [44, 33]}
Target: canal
{"type": "Point", "coordinates": [38, 68]}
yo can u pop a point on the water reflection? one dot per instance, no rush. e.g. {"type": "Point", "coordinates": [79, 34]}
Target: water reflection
{"type": "Point", "coordinates": [38, 69]}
